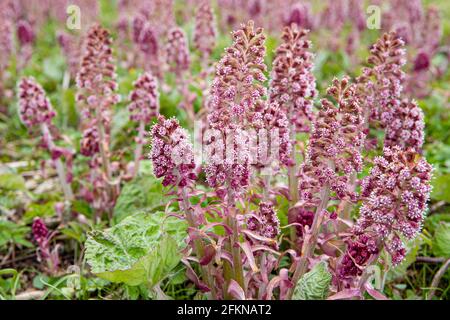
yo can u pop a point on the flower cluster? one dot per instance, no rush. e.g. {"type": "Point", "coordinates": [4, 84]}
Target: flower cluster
{"type": "Point", "coordinates": [381, 84]}
{"type": "Point", "coordinates": [6, 37]}
{"type": "Point", "coordinates": [177, 51]}
{"type": "Point", "coordinates": [236, 104]}
{"type": "Point", "coordinates": [34, 106]}
{"type": "Point", "coordinates": [205, 30]}
{"type": "Point", "coordinates": [407, 128]}
{"type": "Point", "coordinates": [395, 200]}
{"type": "Point", "coordinates": [42, 237]}
{"type": "Point", "coordinates": [396, 193]}
{"type": "Point", "coordinates": [146, 39]}
{"type": "Point", "coordinates": [237, 89]}
{"type": "Point", "coordinates": [40, 231]}
{"type": "Point", "coordinates": [172, 153]}
{"type": "Point", "coordinates": [264, 222]}
{"type": "Point", "coordinates": [96, 75]}
{"type": "Point", "coordinates": [333, 153]}
{"type": "Point", "coordinates": [275, 118]}
{"type": "Point", "coordinates": [90, 142]}
{"type": "Point", "coordinates": [359, 251]}
{"type": "Point", "coordinates": [144, 99]}
{"type": "Point", "coordinates": [300, 15]}
{"type": "Point", "coordinates": [292, 83]}
{"type": "Point", "coordinates": [70, 46]}
{"type": "Point", "coordinates": [302, 218]}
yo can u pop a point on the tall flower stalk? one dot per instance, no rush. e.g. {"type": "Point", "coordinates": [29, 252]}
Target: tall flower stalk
{"type": "Point", "coordinates": [205, 32]}
{"type": "Point", "coordinates": [179, 62]}
{"type": "Point", "coordinates": [96, 81]}
{"type": "Point", "coordinates": [395, 196]}
{"type": "Point", "coordinates": [333, 154]}
{"type": "Point", "coordinates": [173, 160]}
{"type": "Point", "coordinates": [236, 103]}
{"type": "Point", "coordinates": [293, 87]}
{"type": "Point", "coordinates": [36, 111]}
{"type": "Point", "coordinates": [143, 108]}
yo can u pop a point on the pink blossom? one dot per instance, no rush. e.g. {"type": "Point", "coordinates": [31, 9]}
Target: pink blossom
{"type": "Point", "coordinates": [205, 29]}
{"type": "Point", "coordinates": [177, 51]}
{"type": "Point", "coordinates": [34, 106]}
{"type": "Point", "coordinates": [144, 99]}
{"type": "Point", "coordinates": [172, 153]}
{"type": "Point", "coordinates": [292, 84]}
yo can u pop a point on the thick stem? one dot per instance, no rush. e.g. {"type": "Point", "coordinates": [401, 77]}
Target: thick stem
{"type": "Point", "coordinates": [292, 171]}
{"type": "Point", "coordinates": [310, 242]}
{"type": "Point", "coordinates": [60, 170]}
{"type": "Point", "coordinates": [234, 239]}
{"type": "Point", "coordinates": [104, 153]}
{"type": "Point", "coordinates": [139, 146]}
{"type": "Point", "coordinates": [198, 245]}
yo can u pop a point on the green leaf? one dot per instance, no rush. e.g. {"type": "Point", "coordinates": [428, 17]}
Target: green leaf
{"type": "Point", "coordinates": [314, 285]}
{"type": "Point", "coordinates": [440, 188]}
{"type": "Point", "coordinates": [441, 241]}
{"type": "Point", "coordinates": [143, 192]}
{"type": "Point", "coordinates": [412, 248]}
{"type": "Point", "coordinates": [12, 181]}
{"type": "Point", "coordinates": [141, 249]}
{"type": "Point", "coordinates": [40, 210]}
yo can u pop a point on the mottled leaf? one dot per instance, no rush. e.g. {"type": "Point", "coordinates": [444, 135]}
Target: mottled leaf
{"type": "Point", "coordinates": [314, 285]}
{"type": "Point", "coordinates": [141, 249]}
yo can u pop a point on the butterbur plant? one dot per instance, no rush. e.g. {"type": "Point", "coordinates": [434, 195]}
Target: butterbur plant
{"type": "Point", "coordinates": [395, 196]}
{"type": "Point", "coordinates": [179, 61]}
{"type": "Point", "coordinates": [293, 87]}
{"type": "Point", "coordinates": [205, 32]}
{"type": "Point", "coordinates": [36, 113]}
{"type": "Point", "coordinates": [46, 251]}
{"type": "Point", "coordinates": [263, 150]}
{"type": "Point", "coordinates": [144, 106]}
{"type": "Point", "coordinates": [243, 261]}
{"type": "Point", "coordinates": [96, 82]}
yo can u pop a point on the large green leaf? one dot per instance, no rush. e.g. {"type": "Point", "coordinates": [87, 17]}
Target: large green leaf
{"type": "Point", "coordinates": [314, 285]}
{"type": "Point", "coordinates": [441, 241]}
{"type": "Point", "coordinates": [143, 192]}
{"type": "Point", "coordinates": [141, 249]}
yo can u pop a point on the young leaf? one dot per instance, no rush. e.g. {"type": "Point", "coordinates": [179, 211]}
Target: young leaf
{"type": "Point", "coordinates": [142, 192]}
{"type": "Point", "coordinates": [314, 285]}
{"type": "Point", "coordinates": [441, 243]}
{"type": "Point", "coordinates": [141, 249]}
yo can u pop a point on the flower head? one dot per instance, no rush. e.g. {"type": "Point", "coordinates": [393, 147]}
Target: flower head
{"type": "Point", "coordinates": [236, 105]}
{"type": "Point", "coordinates": [25, 33]}
{"type": "Point", "coordinates": [90, 142]}
{"type": "Point", "coordinates": [395, 196]}
{"type": "Point", "coordinates": [177, 51]}
{"type": "Point", "coordinates": [333, 153]}
{"type": "Point", "coordinates": [205, 29]}
{"type": "Point", "coordinates": [34, 106]}
{"type": "Point", "coordinates": [144, 99]}
{"type": "Point", "coordinates": [292, 84]}
{"type": "Point", "coordinates": [96, 75]}
{"type": "Point", "coordinates": [237, 89]}
{"type": "Point", "coordinates": [406, 130]}
{"type": "Point", "coordinates": [381, 85]}
{"type": "Point", "coordinates": [172, 153]}
{"type": "Point", "coordinates": [40, 231]}
{"type": "Point", "coordinates": [265, 221]}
